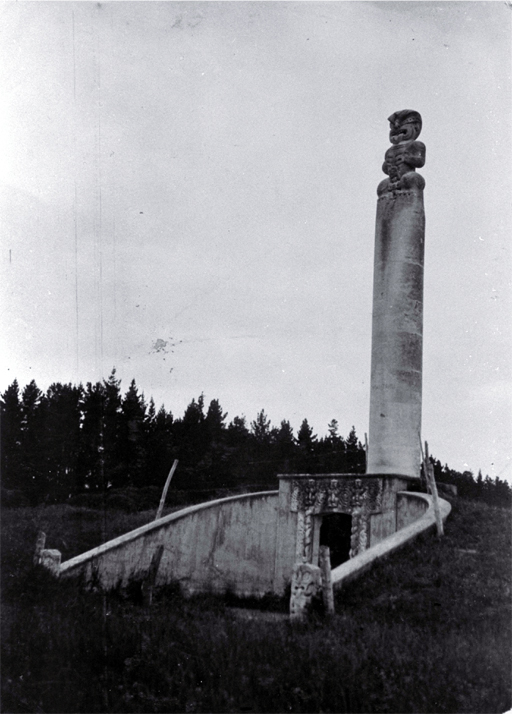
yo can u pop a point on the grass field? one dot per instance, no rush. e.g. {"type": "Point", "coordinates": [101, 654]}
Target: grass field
{"type": "Point", "coordinates": [428, 630]}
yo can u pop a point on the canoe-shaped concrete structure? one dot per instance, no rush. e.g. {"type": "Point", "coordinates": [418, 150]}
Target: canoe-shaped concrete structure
{"type": "Point", "coordinates": [247, 545]}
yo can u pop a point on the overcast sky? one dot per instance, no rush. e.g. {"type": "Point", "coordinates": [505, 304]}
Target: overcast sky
{"type": "Point", "coordinates": [190, 193]}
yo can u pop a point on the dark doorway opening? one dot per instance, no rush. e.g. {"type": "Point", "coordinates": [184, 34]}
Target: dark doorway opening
{"type": "Point", "coordinates": [335, 532]}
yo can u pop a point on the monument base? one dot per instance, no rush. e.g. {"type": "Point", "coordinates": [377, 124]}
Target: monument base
{"type": "Point", "coordinates": [347, 512]}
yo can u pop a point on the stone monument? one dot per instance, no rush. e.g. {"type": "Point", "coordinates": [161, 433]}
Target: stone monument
{"type": "Point", "coordinates": [306, 586]}
{"type": "Point", "coordinates": [397, 329]}
{"type": "Point", "coordinates": [314, 516]}
{"type": "Point", "coordinates": [307, 502]}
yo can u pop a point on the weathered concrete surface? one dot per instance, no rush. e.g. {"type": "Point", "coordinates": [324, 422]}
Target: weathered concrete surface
{"type": "Point", "coordinates": [243, 544]}
{"type": "Point", "coordinates": [227, 544]}
{"type": "Point", "coordinates": [397, 326]}
{"type": "Point", "coordinates": [409, 508]}
{"type": "Point", "coordinates": [346, 572]}
{"type": "Point", "coordinates": [286, 537]}
{"type": "Point", "coordinates": [384, 524]}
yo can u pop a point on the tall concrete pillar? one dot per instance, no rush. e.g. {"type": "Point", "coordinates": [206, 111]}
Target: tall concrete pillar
{"type": "Point", "coordinates": [397, 329]}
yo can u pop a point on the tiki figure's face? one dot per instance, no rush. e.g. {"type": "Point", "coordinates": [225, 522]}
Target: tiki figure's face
{"type": "Point", "coordinates": [306, 582]}
{"type": "Point", "coordinates": [404, 126]}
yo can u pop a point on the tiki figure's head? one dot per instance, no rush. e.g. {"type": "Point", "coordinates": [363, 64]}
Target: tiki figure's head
{"type": "Point", "coordinates": [306, 583]}
{"type": "Point", "coordinates": [404, 126]}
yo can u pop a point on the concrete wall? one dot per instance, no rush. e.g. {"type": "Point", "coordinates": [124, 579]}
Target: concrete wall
{"type": "Point", "coordinates": [382, 525]}
{"type": "Point", "coordinates": [409, 507]}
{"type": "Point", "coordinates": [227, 544]}
{"type": "Point", "coordinates": [286, 537]}
{"type": "Point", "coordinates": [243, 544]}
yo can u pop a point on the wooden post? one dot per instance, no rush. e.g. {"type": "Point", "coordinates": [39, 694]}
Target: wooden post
{"type": "Point", "coordinates": [149, 584]}
{"type": "Point", "coordinates": [425, 469]}
{"type": "Point", "coordinates": [40, 543]}
{"type": "Point", "coordinates": [325, 567]}
{"type": "Point", "coordinates": [433, 489]}
{"type": "Point", "coordinates": [366, 451]}
{"type": "Point", "coordinates": [164, 492]}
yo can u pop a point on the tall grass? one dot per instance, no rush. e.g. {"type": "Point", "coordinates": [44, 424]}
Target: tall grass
{"type": "Point", "coordinates": [428, 630]}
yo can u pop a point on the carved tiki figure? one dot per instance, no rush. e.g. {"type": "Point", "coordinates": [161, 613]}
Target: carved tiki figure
{"type": "Point", "coordinates": [306, 585]}
{"type": "Point", "coordinates": [405, 155]}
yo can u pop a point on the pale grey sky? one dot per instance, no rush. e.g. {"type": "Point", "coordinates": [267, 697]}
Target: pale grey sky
{"type": "Point", "coordinates": [203, 174]}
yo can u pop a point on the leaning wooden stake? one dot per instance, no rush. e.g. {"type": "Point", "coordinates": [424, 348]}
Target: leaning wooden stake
{"type": "Point", "coordinates": [433, 486]}
{"type": "Point", "coordinates": [325, 567]}
{"type": "Point", "coordinates": [164, 492]}
{"type": "Point", "coordinates": [424, 477]}
{"type": "Point", "coordinates": [425, 470]}
{"type": "Point", "coordinates": [431, 482]}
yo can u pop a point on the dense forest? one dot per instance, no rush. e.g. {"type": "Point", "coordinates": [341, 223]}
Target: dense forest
{"type": "Point", "coordinates": [75, 440]}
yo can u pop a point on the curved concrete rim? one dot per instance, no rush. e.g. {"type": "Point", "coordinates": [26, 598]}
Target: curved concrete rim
{"type": "Point", "coordinates": [155, 525]}
{"type": "Point", "coordinates": [335, 474]}
{"type": "Point", "coordinates": [351, 568]}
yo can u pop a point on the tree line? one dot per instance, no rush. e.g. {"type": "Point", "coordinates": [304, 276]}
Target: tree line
{"type": "Point", "coordinates": [74, 440]}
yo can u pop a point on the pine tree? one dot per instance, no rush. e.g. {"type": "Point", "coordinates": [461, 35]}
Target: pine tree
{"type": "Point", "coordinates": [151, 415]}
{"type": "Point", "coordinates": [479, 484]}
{"type": "Point", "coordinates": [132, 438]}
{"type": "Point", "coordinates": [215, 463]}
{"type": "Point", "coordinates": [161, 449]}
{"type": "Point", "coordinates": [355, 456]}
{"type": "Point", "coordinates": [91, 472]}
{"type": "Point", "coordinates": [191, 440]}
{"type": "Point", "coordinates": [332, 428]}
{"type": "Point", "coordinates": [237, 432]}
{"type": "Point", "coordinates": [11, 436]}
{"type": "Point", "coordinates": [502, 493]}
{"type": "Point", "coordinates": [61, 439]}
{"type": "Point", "coordinates": [305, 437]}
{"type": "Point", "coordinates": [307, 442]}
{"type": "Point", "coordinates": [238, 442]}
{"type": "Point", "coordinates": [260, 429]}
{"type": "Point", "coordinates": [33, 473]}
{"type": "Point", "coordinates": [331, 450]}
{"type": "Point", "coordinates": [284, 446]}
{"type": "Point", "coordinates": [215, 419]}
